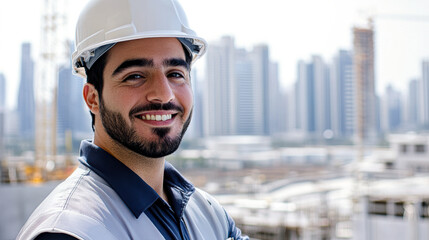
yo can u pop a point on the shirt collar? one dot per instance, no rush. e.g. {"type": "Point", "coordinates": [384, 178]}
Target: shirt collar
{"type": "Point", "coordinates": [136, 193]}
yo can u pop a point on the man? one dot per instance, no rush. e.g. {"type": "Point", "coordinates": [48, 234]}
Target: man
{"type": "Point", "coordinates": [136, 55]}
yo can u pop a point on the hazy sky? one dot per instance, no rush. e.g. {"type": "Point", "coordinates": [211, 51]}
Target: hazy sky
{"type": "Point", "coordinates": [294, 30]}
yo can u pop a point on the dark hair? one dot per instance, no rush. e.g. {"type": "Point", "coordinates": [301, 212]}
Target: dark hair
{"type": "Point", "coordinates": [94, 75]}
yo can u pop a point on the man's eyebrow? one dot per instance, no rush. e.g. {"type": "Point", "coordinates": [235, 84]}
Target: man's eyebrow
{"type": "Point", "coordinates": [176, 62]}
{"type": "Point", "coordinates": [141, 62]}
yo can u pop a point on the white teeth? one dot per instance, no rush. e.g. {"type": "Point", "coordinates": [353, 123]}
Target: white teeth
{"type": "Point", "coordinates": [156, 117]}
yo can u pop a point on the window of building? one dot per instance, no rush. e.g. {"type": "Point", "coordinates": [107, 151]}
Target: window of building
{"type": "Point", "coordinates": [425, 209]}
{"type": "Point", "coordinates": [378, 207]}
{"type": "Point", "coordinates": [399, 209]}
{"type": "Point", "coordinates": [390, 165]}
{"type": "Point", "coordinates": [420, 148]}
{"type": "Point", "coordinates": [404, 148]}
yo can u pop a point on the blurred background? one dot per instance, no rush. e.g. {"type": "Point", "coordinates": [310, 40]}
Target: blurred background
{"type": "Point", "coordinates": [311, 117]}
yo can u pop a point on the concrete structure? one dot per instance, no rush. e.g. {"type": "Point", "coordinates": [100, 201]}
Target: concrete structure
{"type": "Point", "coordinates": [411, 151]}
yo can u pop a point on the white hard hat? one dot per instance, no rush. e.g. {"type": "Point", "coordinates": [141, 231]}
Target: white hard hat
{"type": "Point", "coordinates": [102, 23]}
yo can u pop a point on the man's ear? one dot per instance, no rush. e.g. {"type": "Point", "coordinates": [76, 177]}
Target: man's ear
{"type": "Point", "coordinates": [90, 95]}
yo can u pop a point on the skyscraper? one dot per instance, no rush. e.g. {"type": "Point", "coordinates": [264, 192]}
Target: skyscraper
{"type": "Point", "coordinates": [2, 91]}
{"type": "Point", "coordinates": [2, 113]}
{"type": "Point", "coordinates": [26, 105]}
{"type": "Point", "coordinates": [342, 94]}
{"type": "Point", "coordinates": [72, 114]}
{"type": "Point", "coordinates": [242, 90]}
{"type": "Point", "coordinates": [365, 98]}
{"type": "Point", "coordinates": [413, 104]}
{"type": "Point", "coordinates": [278, 103]}
{"type": "Point", "coordinates": [220, 111]}
{"type": "Point", "coordinates": [305, 98]}
{"type": "Point", "coordinates": [391, 112]}
{"type": "Point", "coordinates": [424, 94]}
{"type": "Point", "coordinates": [322, 103]}
{"type": "Point", "coordinates": [196, 129]}
{"type": "Point", "coordinates": [261, 70]}
{"type": "Point", "coordinates": [247, 97]}
{"type": "Point", "coordinates": [313, 98]}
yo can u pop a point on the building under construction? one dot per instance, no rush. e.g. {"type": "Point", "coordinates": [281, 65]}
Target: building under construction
{"type": "Point", "coordinates": [366, 102]}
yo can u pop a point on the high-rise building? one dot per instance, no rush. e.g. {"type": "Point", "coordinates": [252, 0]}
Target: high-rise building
{"type": "Point", "coordinates": [2, 114]}
{"type": "Point", "coordinates": [313, 98]}
{"type": "Point", "coordinates": [195, 129]}
{"type": "Point", "coordinates": [264, 85]}
{"type": "Point", "coordinates": [26, 104]}
{"type": "Point", "coordinates": [424, 94]}
{"type": "Point", "coordinates": [242, 90]}
{"type": "Point", "coordinates": [365, 98]}
{"type": "Point", "coordinates": [413, 105]}
{"type": "Point", "coordinates": [72, 113]}
{"type": "Point", "coordinates": [278, 103]}
{"type": "Point", "coordinates": [391, 110]}
{"type": "Point", "coordinates": [322, 98]}
{"type": "Point", "coordinates": [342, 94]}
{"type": "Point", "coordinates": [220, 111]}
{"type": "Point", "coordinates": [247, 96]}
{"type": "Point", "coordinates": [73, 118]}
{"type": "Point", "coordinates": [2, 91]}
{"type": "Point", "coordinates": [305, 98]}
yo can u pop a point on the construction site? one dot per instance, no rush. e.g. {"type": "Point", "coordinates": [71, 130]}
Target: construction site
{"type": "Point", "coordinates": [354, 191]}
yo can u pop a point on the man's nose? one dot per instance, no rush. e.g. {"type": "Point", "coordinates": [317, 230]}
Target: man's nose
{"type": "Point", "coordinates": [160, 90]}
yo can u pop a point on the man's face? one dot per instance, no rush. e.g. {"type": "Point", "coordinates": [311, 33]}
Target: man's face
{"type": "Point", "coordinates": [147, 102]}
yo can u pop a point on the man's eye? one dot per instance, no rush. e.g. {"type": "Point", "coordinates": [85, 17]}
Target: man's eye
{"type": "Point", "coordinates": [133, 77]}
{"type": "Point", "coordinates": [175, 75]}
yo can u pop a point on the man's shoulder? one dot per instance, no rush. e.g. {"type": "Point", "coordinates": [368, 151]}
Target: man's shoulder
{"type": "Point", "coordinates": [79, 203]}
{"type": "Point", "coordinates": [206, 198]}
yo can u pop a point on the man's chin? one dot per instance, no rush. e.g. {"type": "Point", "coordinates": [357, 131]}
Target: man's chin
{"type": "Point", "coordinates": [161, 132]}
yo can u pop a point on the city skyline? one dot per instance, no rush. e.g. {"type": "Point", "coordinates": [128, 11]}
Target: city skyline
{"type": "Point", "coordinates": [292, 31]}
{"type": "Point", "coordinates": [320, 106]}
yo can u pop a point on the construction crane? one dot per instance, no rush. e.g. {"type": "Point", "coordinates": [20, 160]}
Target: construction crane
{"type": "Point", "coordinates": [53, 51]}
{"type": "Point", "coordinates": [416, 18]}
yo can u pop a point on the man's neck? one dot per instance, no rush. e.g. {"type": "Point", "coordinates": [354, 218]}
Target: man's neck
{"type": "Point", "coordinates": [151, 170]}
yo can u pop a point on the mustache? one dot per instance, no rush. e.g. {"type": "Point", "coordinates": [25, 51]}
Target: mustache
{"type": "Point", "coordinates": [154, 107]}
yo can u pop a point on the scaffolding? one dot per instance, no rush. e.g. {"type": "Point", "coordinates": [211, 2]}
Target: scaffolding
{"type": "Point", "coordinates": [53, 52]}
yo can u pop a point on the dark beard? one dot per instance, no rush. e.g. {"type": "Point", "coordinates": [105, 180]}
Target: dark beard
{"type": "Point", "coordinates": [117, 128]}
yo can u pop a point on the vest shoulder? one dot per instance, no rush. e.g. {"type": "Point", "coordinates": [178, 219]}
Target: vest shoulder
{"type": "Point", "coordinates": [78, 206]}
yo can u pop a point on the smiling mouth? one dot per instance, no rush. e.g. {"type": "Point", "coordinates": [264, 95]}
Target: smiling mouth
{"type": "Point", "coordinates": [156, 117]}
